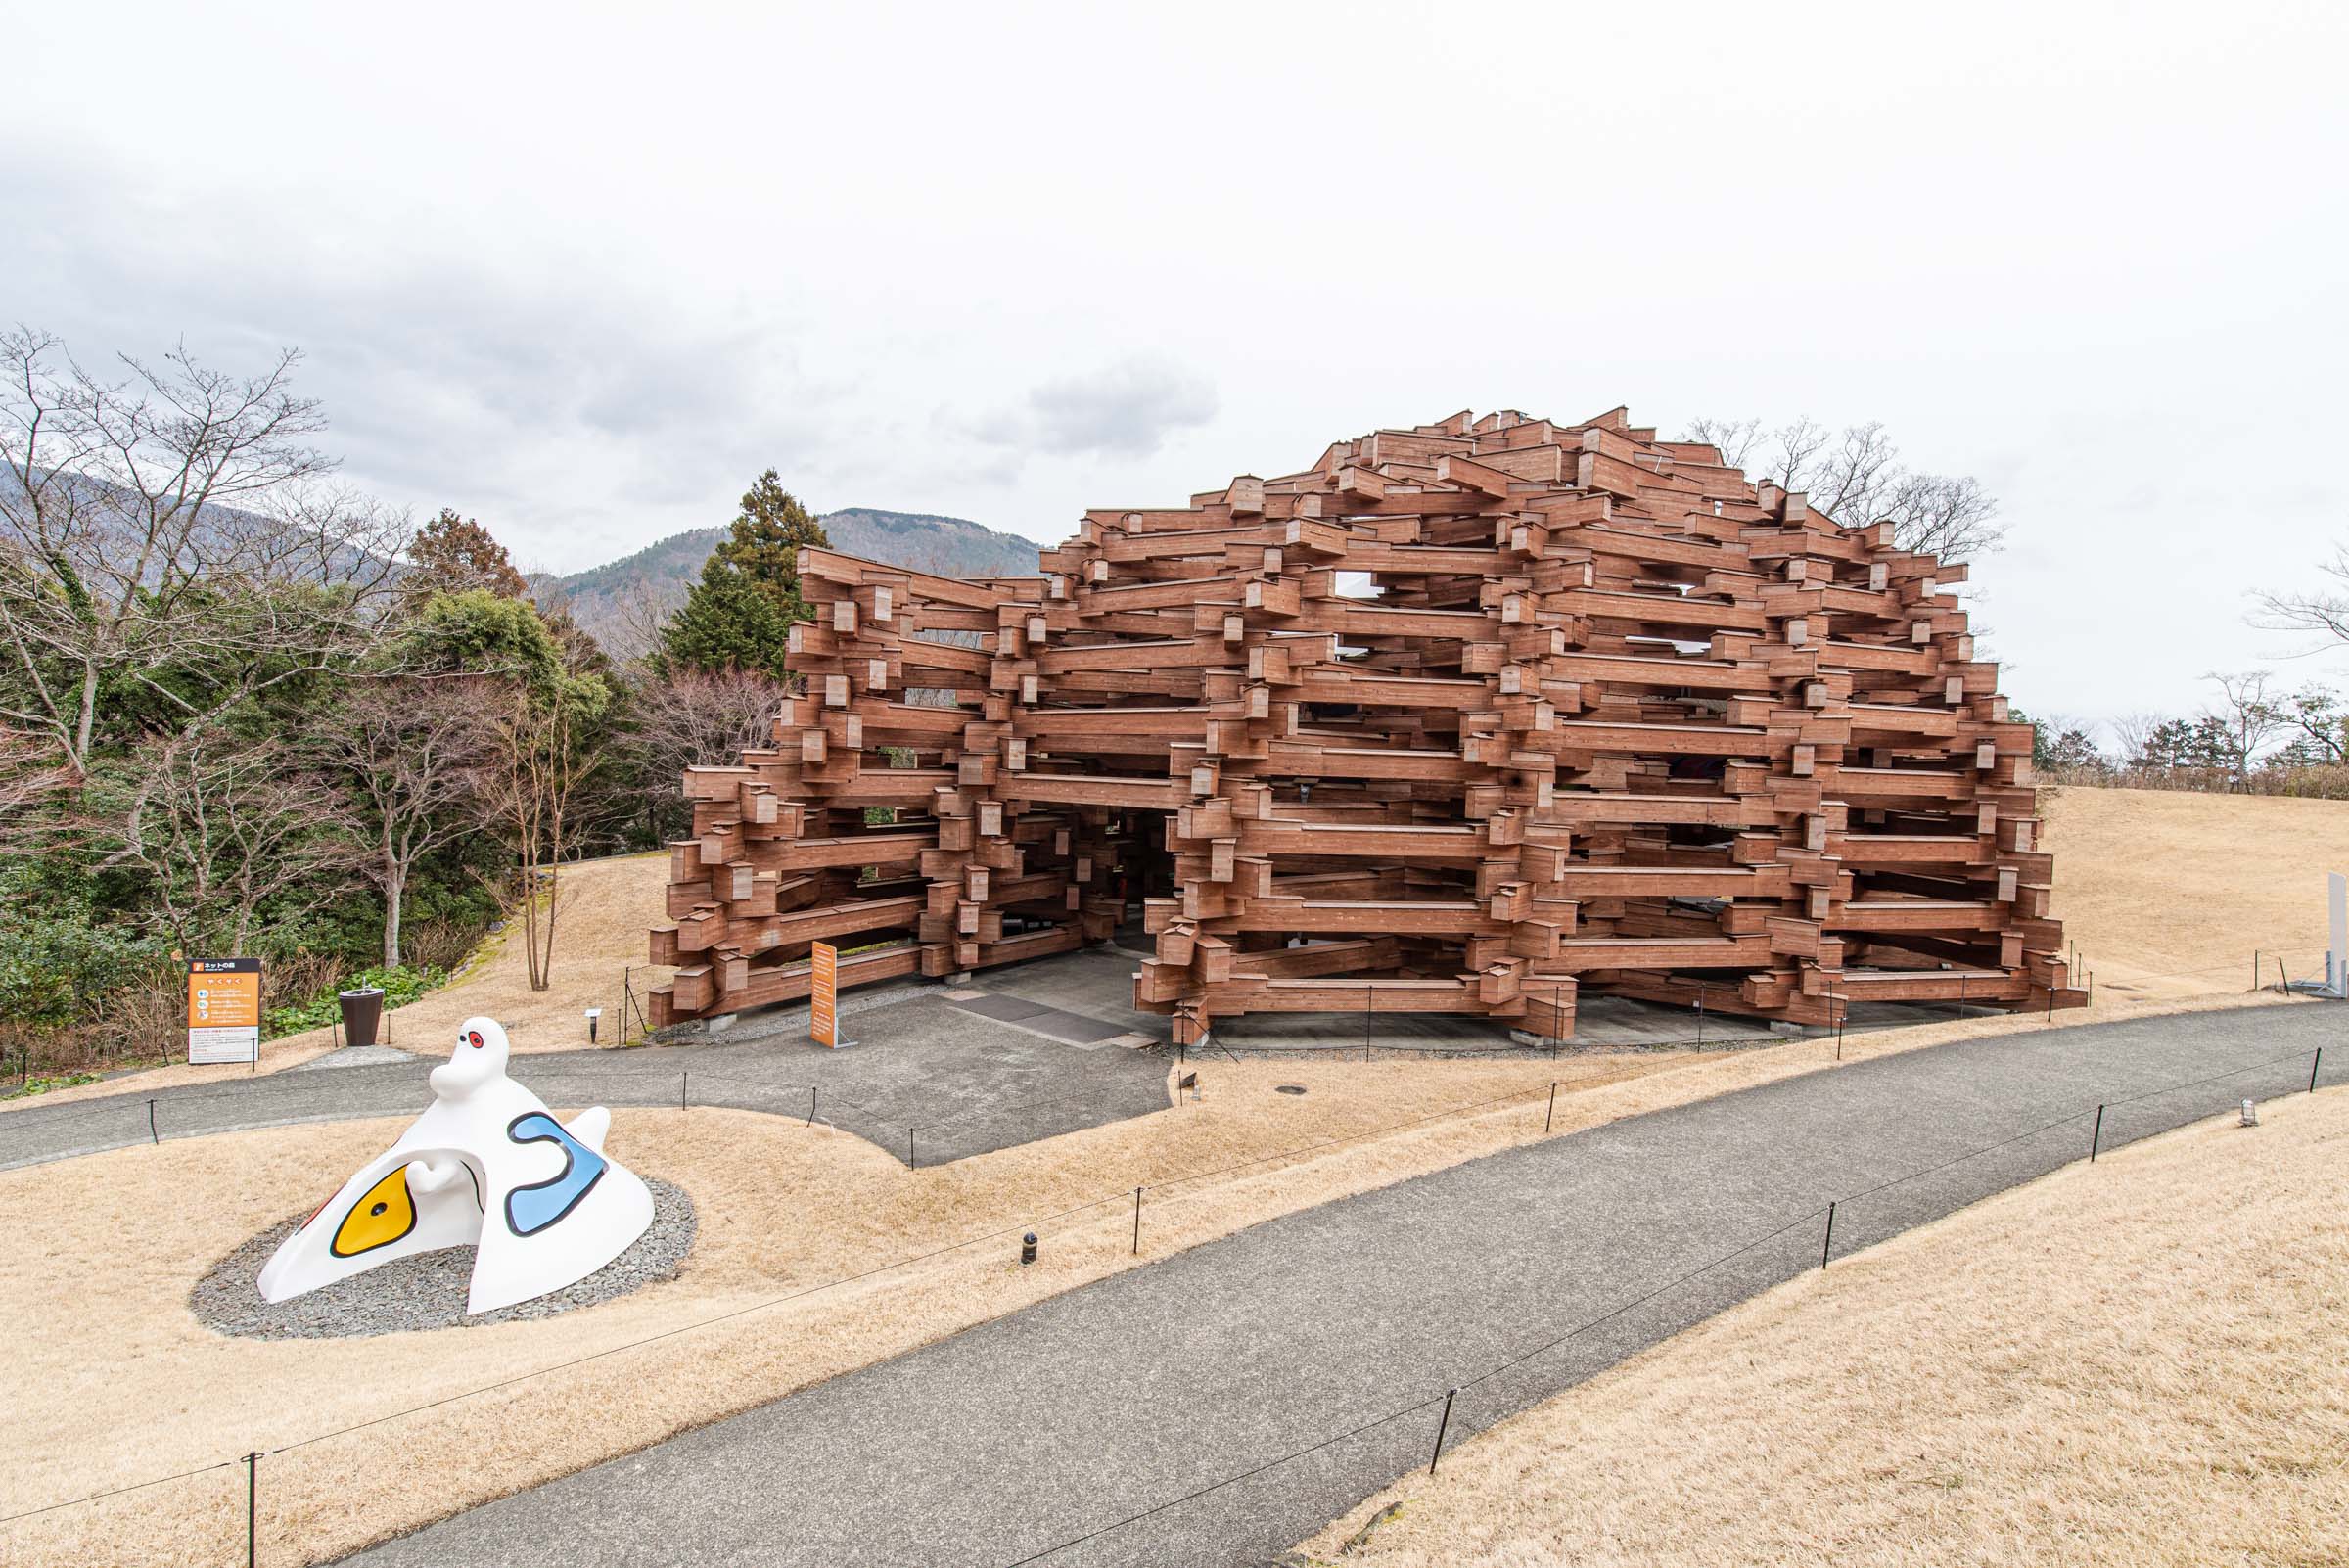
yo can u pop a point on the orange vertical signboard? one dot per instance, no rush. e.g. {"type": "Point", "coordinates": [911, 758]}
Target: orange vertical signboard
{"type": "Point", "coordinates": [823, 996]}
{"type": "Point", "coordinates": [224, 1010]}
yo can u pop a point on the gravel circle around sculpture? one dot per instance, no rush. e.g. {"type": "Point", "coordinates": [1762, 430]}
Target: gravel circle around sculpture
{"type": "Point", "coordinates": [425, 1291]}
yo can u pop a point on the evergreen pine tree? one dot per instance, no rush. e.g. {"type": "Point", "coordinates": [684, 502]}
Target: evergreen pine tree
{"type": "Point", "coordinates": [451, 554]}
{"type": "Point", "coordinates": [738, 615]}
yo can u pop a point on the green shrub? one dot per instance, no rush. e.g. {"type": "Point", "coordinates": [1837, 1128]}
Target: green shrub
{"type": "Point", "coordinates": [42, 1086]}
{"type": "Point", "coordinates": [401, 987]}
{"type": "Point", "coordinates": [60, 957]}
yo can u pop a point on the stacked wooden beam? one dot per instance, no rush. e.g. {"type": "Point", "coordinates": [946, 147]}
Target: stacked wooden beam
{"type": "Point", "coordinates": [1463, 719]}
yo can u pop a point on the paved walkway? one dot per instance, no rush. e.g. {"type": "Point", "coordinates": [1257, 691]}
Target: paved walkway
{"type": "Point", "coordinates": [959, 1083]}
{"type": "Point", "coordinates": [1188, 1413]}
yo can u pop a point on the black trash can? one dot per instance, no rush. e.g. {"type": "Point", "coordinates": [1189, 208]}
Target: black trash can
{"type": "Point", "coordinates": [362, 1015]}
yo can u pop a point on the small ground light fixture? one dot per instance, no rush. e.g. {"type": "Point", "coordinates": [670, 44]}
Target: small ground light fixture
{"type": "Point", "coordinates": [1028, 1249]}
{"type": "Point", "coordinates": [593, 1013]}
{"type": "Point", "coordinates": [2251, 1113]}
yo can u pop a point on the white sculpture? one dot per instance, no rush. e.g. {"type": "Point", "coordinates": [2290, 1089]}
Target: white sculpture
{"type": "Point", "coordinates": [486, 1164]}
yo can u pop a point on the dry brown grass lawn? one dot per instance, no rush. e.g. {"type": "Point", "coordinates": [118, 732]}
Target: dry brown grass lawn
{"type": "Point", "coordinates": [121, 1385]}
{"type": "Point", "coordinates": [2169, 894]}
{"type": "Point", "coordinates": [2139, 1362]}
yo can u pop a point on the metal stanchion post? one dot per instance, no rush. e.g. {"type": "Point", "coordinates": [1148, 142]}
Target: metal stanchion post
{"type": "Point", "coordinates": [1449, 1395]}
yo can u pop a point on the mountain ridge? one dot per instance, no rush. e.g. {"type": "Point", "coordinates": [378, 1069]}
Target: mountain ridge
{"type": "Point", "coordinates": [622, 603]}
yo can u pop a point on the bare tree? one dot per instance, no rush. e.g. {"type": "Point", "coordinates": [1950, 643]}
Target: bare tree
{"type": "Point", "coordinates": [168, 534]}
{"type": "Point", "coordinates": [2132, 734]}
{"type": "Point", "coordinates": [2323, 721]}
{"type": "Point", "coordinates": [2320, 611]}
{"type": "Point", "coordinates": [1855, 477]}
{"type": "Point", "coordinates": [2245, 717]}
{"type": "Point", "coordinates": [633, 628]}
{"type": "Point", "coordinates": [223, 826]}
{"type": "Point", "coordinates": [1735, 440]}
{"type": "Point", "coordinates": [1947, 516]}
{"type": "Point", "coordinates": [696, 718]}
{"type": "Point", "coordinates": [411, 757]}
{"type": "Point", "coordinates": [538, 766]}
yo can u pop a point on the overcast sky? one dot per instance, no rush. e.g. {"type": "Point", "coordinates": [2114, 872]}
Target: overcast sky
{"type": "Point", "coordinates": [583, 273]}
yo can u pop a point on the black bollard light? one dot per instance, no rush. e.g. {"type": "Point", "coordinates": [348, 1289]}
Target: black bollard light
{"type": "Point", "coordinates": [1028, 1249]}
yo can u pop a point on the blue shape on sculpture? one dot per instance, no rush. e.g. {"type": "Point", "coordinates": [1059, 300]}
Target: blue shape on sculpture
{"type": "Point", "coordinates": [531, 1208]}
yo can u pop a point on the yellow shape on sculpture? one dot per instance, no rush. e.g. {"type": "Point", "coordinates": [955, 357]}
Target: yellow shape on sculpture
{"type": "Point", "coordinates": [384, 1215]}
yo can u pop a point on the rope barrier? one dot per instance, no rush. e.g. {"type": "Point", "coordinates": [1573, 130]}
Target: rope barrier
{"type": "Point", "coordinates": [1120, 1198]}
{"type": "Point", "coordinates": [1580, 1328]}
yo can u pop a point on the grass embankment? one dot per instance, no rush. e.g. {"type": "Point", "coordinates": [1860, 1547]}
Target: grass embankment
{"type": "Point", "coordinates": [2133, 1362]}
{"type": "Point", "coordinates": [2169, 895]}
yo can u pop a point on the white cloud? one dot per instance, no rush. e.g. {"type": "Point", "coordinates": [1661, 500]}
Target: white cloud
{"type": "Point", "coordinates": [1127, 408]}
{"type": "Point", "coordinates": [590, 302]}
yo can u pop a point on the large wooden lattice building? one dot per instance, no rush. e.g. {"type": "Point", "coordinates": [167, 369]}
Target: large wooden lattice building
{"type": "Point", "coordinates": [1462, 718]}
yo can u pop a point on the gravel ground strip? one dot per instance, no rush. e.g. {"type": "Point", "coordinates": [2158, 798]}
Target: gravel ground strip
{"type": "Point", "coordinates": [427, 1290]}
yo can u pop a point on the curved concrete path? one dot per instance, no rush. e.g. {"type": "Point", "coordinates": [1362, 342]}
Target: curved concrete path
{"type": "Point", "coordinates": [962, 1084]}
{"type": "Point", "coordinates": [1107, 1426]}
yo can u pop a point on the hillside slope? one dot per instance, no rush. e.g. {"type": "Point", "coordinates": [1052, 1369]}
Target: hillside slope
{"type": "Point", "coordinates": [617, 600]}
{"type": "Point", "coordinates": [2169, 895]}
{"type": "Point", "coordinates": [2111, 1364]}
